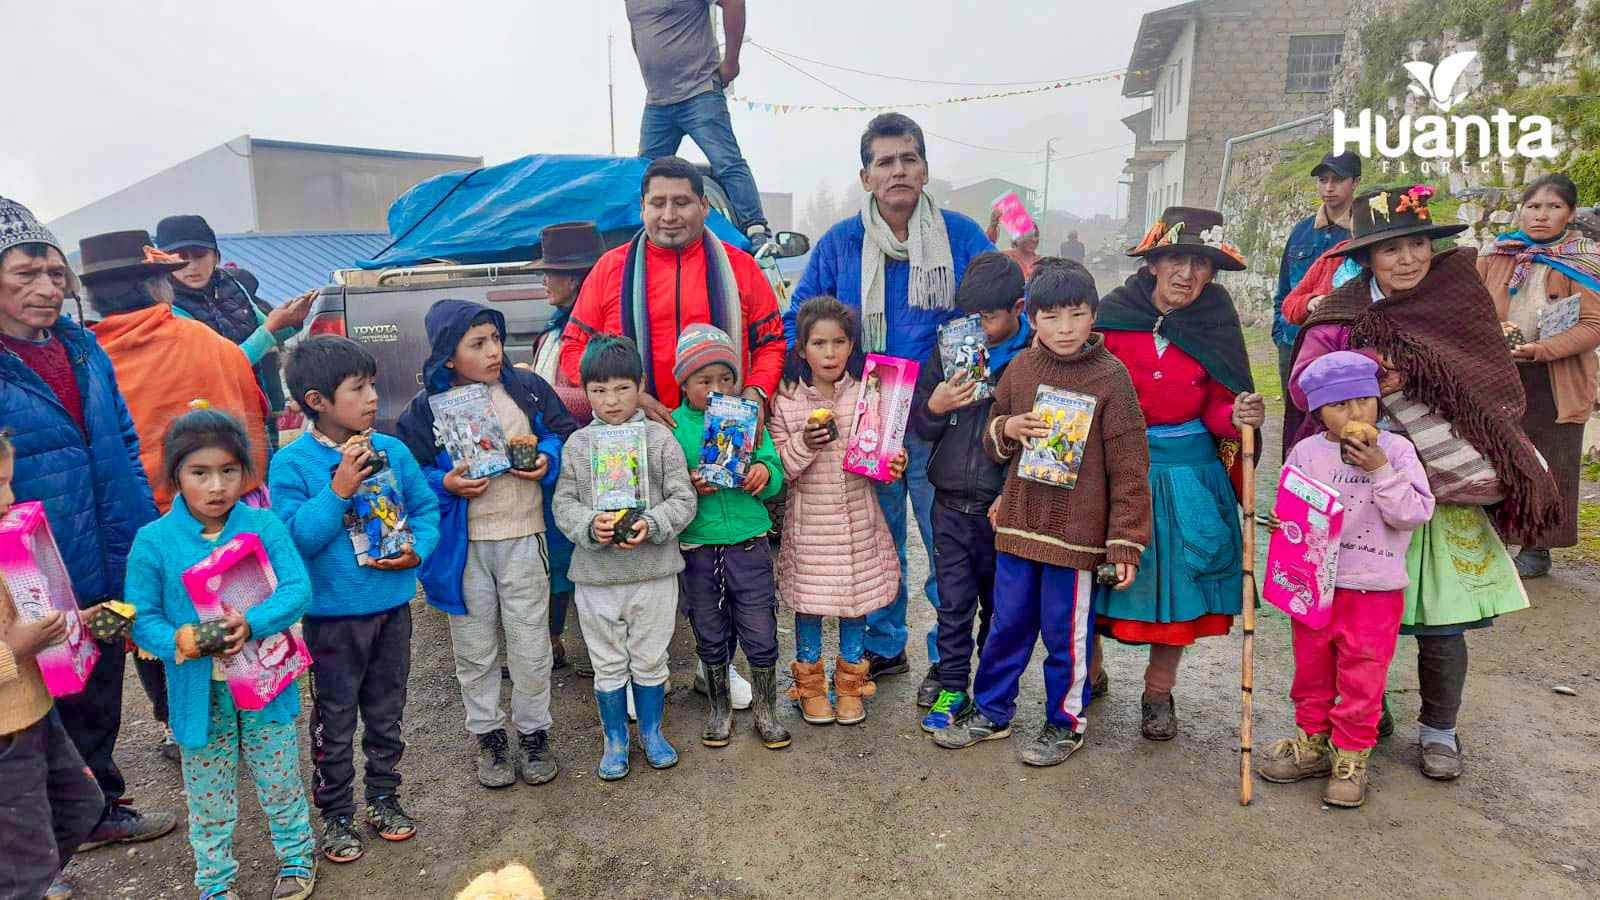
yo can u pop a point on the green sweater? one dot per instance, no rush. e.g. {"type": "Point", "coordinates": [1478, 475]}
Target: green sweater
{"type": "Point", "coordinates": [730, 516]}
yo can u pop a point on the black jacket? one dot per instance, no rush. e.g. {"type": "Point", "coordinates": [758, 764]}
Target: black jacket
{"type": "Point", "coordinates": [963, 477]}
{"type": "Point", "coordinates": [223, 304]}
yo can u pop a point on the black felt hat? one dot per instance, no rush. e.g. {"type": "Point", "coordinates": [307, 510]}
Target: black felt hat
{"type": "Point", "coordinates": [123, 254]}
{"type": "Point", "coordinates": [1387, 213]}
{"type": "Point", "coordinates": [1190, 229]}
{"type": "Point", "coordinates": [569, 247]}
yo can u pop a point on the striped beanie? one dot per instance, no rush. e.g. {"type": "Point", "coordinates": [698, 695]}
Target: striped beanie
{"type": "Point", "coordinates": [700, 346]}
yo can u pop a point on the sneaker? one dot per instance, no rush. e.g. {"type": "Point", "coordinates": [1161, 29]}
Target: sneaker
{"type": "Point", "coordinates": [1158, 721]}
{"type": "Point", "coordinates": [928, 691]}
{"type": "Point", "coordinates": [494, 762]}
{"type": "Point", "coordinates": [340, 843]}
{"type": "Point", "coordinates": [971, 729]}
{"type": "Point", "coordinates": [295, 882]}
{"type": "Point", "coordinates": [169, 747]}
{"type": "Point", "coordinates": [125, 825]}
{"type": "Point", "coordinates": [759, 236]}
{"type": "Point", "coordinates": [1052, 746]}
{"type": "Point", "coordinates": [60, 888]}
{"type": "Point", "coordinates": [1288, 760]}
{"type": "Point", "coordinates": [1347, 786]}
{"type": "Point", "coordinates": [878, 666]}
{"type": "Point", "coordinates": [389, 820]}
{"type": "Point", "coordinates": [948, 707]}
{"type": "Point", "coordinates": [538, 763]}
{"type": "Point", "coordinates": [223, 892]}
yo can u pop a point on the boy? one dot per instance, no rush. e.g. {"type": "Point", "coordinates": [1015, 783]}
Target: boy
{"type": "Point", "coordinates": [727, 591]}
{"type": "Point", "coordinates": [626, 589]}
{"type": "Point", "coordinates": [490, 571]}
{"type": "Point", "coordinates": [48, 801]}
{"type": "Point", "coordinates": [1051, 540]}
{"type": "Point", "coordinates": [966, 484]}
{"type": "Point", "coordinates": [359, 626]}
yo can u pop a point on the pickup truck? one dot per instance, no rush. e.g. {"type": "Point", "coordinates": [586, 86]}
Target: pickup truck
{"type": "Point", "coordinates": [383, 309]}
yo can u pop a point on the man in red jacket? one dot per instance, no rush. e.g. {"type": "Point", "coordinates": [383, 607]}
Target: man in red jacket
{"type": "Point", "coordinates": [673, 274]}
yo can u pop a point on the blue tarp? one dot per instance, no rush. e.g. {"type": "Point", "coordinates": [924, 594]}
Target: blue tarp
{"type": "Point", "coordinates": [499, 212]}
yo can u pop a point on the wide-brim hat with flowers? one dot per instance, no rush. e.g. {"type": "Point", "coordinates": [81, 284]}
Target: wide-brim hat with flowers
{"type": "Point", "coordinates": [1388, 213]}
{"type": "Point", "coordinates": [1190, 229]}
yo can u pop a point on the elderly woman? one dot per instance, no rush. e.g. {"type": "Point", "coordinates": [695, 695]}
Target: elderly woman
{"type": "Point", "coordinates": [1025, 249]}
{"type": "Point", "coordinates": [1448, 379]}
{"type": "Point", "coordinates": [1178, 333]}
{"type": "Point", "coordinates": [1534, 274]}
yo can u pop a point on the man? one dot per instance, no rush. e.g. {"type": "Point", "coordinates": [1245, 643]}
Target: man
{"type": "Point", "coordinates": [1072, 248]}
{"type": "Point", "coordinates": [684, 79]}
{"type": "Point", "coordinates": [77, 452]}
{"type": "Point", "coordinates": [1338, 179]}
{"type": "Point", "coordinates": [905, 289]}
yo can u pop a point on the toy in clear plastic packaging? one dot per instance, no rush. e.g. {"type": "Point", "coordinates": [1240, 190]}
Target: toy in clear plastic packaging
{"type": "Point", "coordinates": [882, 411]}
{"type": "Point", "coordinates": [37, 577]}
{"type": "Point", "coordinates": [621, 467]}
{"type": "Point", "coordinates": [729, 439]}
{"type": "Point", "coordinates": [376, 519]}
{"type": "Point", "coordinates": [964, 351]}
{"type": "Point", "coordinates": [465, 424]}
{"type": "Point", "coordinates": [234, 578]}
{"type": "Point", "coordinates": [1056, 458]}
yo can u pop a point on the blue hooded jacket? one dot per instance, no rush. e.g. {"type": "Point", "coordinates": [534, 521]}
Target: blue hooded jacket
{"type": "Point", "coordinates": [447, 322]}
{"type": "Point", "coordinates": [93, 487]}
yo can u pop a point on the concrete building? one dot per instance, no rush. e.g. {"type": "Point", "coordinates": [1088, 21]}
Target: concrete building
{"type": "Point", "coordinates": [254, 185]}
{"type": "Point", "coordinates": [976, 200]}
{"type": "Point", "coordinates": [1215, 69]}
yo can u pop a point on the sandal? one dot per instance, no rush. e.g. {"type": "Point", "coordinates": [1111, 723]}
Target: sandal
{"type": "Point", "coordinates": [219, 893]}
{"type": "Point", "coordinates": [389, 820]}
{"type": "Point", "coordinates": [295, 882]}
{"type": "Point", "coordinates": [340, 843]}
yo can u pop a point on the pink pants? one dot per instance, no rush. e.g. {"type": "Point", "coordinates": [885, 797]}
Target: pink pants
{"type": "Point", "coordinates": [1340, 669]}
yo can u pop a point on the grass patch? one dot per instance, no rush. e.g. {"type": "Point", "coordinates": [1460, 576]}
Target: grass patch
{"type": "Point", "coordinates": [1588, 549]}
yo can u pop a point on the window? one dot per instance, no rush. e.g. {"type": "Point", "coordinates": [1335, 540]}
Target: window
{"type": "Point", "coordinates": [1172, 93]}
{"type": "Point", "coordinates": [1312, 59]}
{"type": "Point", "coordinates": [1178, 85]}
{"type": "Point", "coordinates": [1157, 107]}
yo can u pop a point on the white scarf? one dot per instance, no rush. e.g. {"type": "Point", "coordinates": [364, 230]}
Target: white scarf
{"type": "Point", "coordinates": [933, 271]}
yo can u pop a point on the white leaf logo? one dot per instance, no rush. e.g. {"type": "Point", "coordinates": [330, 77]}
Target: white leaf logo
{"type": "Point", "coordinates": [1438, 83]}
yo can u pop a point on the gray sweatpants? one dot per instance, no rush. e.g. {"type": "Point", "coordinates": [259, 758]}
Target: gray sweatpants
{"type": "Point", "coordinates": [626, 628]}
{"type": "Point", "coordinates": [506, 585]}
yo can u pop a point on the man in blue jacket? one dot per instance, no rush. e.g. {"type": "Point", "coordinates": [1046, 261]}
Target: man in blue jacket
{"type": "Point", "coordinates": [898, 263]}
{"type": "Point", "coordinates": [1338, 179]}
{"type": "Point", "coordinates": [78, 454]}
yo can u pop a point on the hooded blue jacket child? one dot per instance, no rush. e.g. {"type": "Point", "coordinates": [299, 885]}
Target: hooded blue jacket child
{"type": "Point", "coordinates": [447, 322]}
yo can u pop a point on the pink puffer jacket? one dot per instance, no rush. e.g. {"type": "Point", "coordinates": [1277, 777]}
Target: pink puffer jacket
{"type": "Point", "coordinates": [837, 558]}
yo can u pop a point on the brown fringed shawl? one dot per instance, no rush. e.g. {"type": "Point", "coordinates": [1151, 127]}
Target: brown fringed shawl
{"type": "Point", "coordinates": [1444, 336]}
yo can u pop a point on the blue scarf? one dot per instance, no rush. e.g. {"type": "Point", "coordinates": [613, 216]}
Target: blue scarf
{"type": "Point", "coordinates": [1575, 257]}
{"type": "Point", "coordinates": [1003, 353]}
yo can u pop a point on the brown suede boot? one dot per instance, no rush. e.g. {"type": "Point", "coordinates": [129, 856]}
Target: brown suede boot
{"type": "Point", "coordinates": [1291, 759]}
{"type": "Point", "coordinates": [1347, 786]}
{"type": "Point", "coordinates": [811, 690]}
{"type": "Point", "coordinates": [850, 685]}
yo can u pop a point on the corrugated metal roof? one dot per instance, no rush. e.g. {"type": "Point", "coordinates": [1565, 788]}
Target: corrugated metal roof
{"type": "Point", "coordinates": [288, 265]}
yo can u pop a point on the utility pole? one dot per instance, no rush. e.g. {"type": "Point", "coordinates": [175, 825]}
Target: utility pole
{"type": "Point", "coordinates": [611, 94]}
{"type": "Point", "coordinates": [1044, 208]}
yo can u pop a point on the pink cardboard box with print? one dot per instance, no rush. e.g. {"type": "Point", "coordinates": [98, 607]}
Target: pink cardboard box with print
{"type": "Point", "coordinates": [39, 584]}
{"type": "Point", "coordinates": [236, 577]}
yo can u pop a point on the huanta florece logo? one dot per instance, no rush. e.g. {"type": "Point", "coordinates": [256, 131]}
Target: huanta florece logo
{"type": "Point", "coordinates": [1445, 143]}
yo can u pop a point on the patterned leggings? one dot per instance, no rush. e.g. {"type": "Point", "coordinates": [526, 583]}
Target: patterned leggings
{"type": "Point", "coordinates": [211, 783]}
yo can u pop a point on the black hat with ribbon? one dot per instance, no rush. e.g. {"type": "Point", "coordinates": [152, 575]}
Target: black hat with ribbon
{"type": "Point", "coordinates": [123, 254]}
{"type": "Point", "coordinates": [1388, 213]}
{"type": "Point", "coordinates": [1189, 229]}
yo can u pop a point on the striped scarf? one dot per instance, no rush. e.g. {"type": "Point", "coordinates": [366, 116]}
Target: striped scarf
{"type": "Point", "coordinates": [1571, 254]}
{"type": "Point", "coordinates": [722, 299]}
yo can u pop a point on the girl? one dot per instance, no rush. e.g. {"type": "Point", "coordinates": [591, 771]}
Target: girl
{"type": "Point", "coordinates": [1340, 669]}
{"type": "Point", "coordinates": [206, 459]}
{"type": "Point", "coordinates": [837, 557]}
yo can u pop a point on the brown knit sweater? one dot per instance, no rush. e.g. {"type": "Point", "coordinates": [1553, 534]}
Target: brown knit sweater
{"type": "Point", "coordinates": [23, 699]}
{"type": "Point", "coordinates": [1106, 516]}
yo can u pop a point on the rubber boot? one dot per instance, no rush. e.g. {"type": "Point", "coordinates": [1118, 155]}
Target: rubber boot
{"type": "Point", "coordinates": [719, 718]}
{"type": "Point", "coordinates": [650, 703]}
{"type": "Point", "coordinates": [764, 700]}
{"type": "Point", "coordinates": [614, 721]}
{"type": "Point", "coordinates": [850, 687]}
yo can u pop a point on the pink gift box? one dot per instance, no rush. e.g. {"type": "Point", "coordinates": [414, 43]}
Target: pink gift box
{"type": "Point", "coordinates": [40, 585]}
{"type": "Point", "coordinates": [234, 578]}
{"type": "Point", "coordinates": [882, 411]}
{"type": "Point", "coordinates": [1303, 556]}
{"type": "Point", "coordinates": [1013, 215]}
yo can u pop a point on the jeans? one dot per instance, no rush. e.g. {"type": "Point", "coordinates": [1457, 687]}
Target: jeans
{"type": "Point", "coordinates": [49, 803]}
{"type": "Point", "coordinates": [704, 118]}
{"type": "Point", "coordinates": [1441, 677]}
{"type": "Point", "coordinates": [965, 568]}
{"type": "Point", "coordinates": [886, 628]}
{"type": "Point", "coordinates": [808, 638]}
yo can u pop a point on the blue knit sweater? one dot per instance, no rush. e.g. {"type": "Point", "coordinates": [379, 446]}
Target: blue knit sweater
{"type": "Point", "coordinates": [161, 553]}
{"type": "Point", "coordinates": [301, 482]}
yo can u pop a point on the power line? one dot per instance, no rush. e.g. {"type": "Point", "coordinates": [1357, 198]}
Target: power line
{"type": "Point", "coordinates": [818, 62]}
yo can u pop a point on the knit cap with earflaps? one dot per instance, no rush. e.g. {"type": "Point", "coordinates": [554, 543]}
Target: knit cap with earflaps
{"type": "Point", "coordinates": [18, 225]}
{"type": "Point", "coordinates": [702, 345]}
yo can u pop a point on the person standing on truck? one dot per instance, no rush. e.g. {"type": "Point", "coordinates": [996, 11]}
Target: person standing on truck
{"type": "Point", "coordinates": [684, 78]}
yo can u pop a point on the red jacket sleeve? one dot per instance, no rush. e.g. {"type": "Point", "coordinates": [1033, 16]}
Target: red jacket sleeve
{"type": "Point", "coordinates": [598, 310]}
{"type": "Point", "coordinates": [1318, 282]}
{"type": "Point", "coordinates": [763, 324]}
{"type": "Point", "coordinates": [1218, 412]}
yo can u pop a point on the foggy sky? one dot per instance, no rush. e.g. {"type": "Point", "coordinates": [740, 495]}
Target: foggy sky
{"type": "Point", "coordinates": [117, 92]}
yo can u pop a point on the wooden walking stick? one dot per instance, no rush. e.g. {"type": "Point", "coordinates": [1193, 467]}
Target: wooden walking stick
{"type": "Point", "coordinates": [1247, 669]}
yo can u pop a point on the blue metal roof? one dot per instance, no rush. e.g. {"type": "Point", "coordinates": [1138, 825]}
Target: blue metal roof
{"type": "Point", "coordinates": [288, 265]}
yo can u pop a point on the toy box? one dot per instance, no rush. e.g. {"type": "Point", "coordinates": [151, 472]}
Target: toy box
{"type": "Point", "coordinates": [729, 439]}
{"type": "Point", "coordinates": [1013, 215]}
{"type": "Point", "coordinates": [1303, 554]}
{"type": "Point", "coordinates": [376, 519]}
{"type": "Point", "coordinates": [1057, 458]}
{"type": "Point", "coordinates": [236, 577]}
{"type": "Point", "coordinates": [465, 424]}
{"type": "Point", "coordinates": [1559, 316]}
{"type": "Point", "coordinates": [882, 411]}
{"type": "Point", "coordinates": [621, 467]}
{"type": "Point", "coordinates": [963, 347]}
{"type": "Point", "coordinates": [40, 585]}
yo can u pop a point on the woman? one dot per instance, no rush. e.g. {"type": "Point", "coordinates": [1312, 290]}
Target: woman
{"type": "Point", "coordinates": [1432, 326]}
{"type": "Point", "coordinates": [1025, 249]}
{"type": "Point", "coordinates": [1178, 333]}
{"type": "Point", "coordinates": [1534, 270]}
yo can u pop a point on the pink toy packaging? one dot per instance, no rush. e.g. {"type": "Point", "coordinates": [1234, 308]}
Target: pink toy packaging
{"type": "Point", "coordinates": [1013, 215]}
{"type": "Point", "coordinates": [882, 412]}
{"type": "Point", "coordinates": [234, 578]}
{"type": "Point", "coordinates": [40, 585]}
{"type": "Point", "coordinates": [1303, 556]}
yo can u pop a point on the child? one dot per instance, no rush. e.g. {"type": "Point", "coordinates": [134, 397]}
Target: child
{"type": "Point", "coordinates": [726, 589]}
{"type": "Point", "coordinates": [948, 414]}
{"type": "Point", "coordinates": [1051, 540]}
{"type": "Point", "coordinates": [42, 778]}
{"type": "Point", "coordinates": [627, 590]}
{"type": "Point", "coordinates": [359, 627]}
{"type": "Point", "coordinates": [489, 570]}
{"type": "Point", "coordinates": [206, 459]}
{"type": "Point", "coordinates": [1340, 669]}
{"type": "Point", "coordinates": [837, 557]}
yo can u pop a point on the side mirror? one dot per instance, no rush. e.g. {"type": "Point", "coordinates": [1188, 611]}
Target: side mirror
{"type": "Point", "coordinates": [791, 244]}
